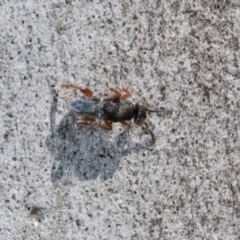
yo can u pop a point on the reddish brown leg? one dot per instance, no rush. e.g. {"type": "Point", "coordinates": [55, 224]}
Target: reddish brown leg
{"type": "Point", "coordinates": [107, 126]}
{"type": "Point", "coordinates": [119, 94]}
{"type": "Point", "coordinates": [126, 124]}
{"type": "Point", "coordinates": [86, 91]}
{"type": "Point", "coordinates": [87, 121]}
{"type": "Point", "coordinates": [126, 95]}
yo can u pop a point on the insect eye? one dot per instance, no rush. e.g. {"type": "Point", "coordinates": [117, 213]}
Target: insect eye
{"type": "Point", "coordinates": [140, 115]}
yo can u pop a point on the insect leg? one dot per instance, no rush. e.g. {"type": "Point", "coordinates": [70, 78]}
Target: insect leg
{"type": "Point", "coordinates": [107, 126]}
{"type": "Point", "coordinates": [126, 124]}
{"type": "Point", "coordinates": [126, 94]}
{"type": "Point", "coordinates": [120, 95]}
{"type": "Point", "coordinates": [86, 91]}
{"type": "Point", "coordinates": [116, 92]}
{"type": "Point", "coordinates": [87, 121]}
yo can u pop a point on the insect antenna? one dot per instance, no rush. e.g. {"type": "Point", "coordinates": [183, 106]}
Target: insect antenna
{"type": "Point", "coordinates": [147, 130]}
{"type": "Point", "coordinates": [162, 111]}
{"type": "Point", "coordinates": [153, 110]}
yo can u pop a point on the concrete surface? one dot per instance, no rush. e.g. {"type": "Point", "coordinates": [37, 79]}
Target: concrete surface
{"type": "Point", "coordinates": [58, 181]}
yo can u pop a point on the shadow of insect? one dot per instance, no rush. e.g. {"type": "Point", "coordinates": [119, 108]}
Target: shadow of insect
{"type": "Point", "coordinates": [89, 154]}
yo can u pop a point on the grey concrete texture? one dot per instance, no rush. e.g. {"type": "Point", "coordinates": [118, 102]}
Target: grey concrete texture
{"type": "Point", "coordinates": [62, 181]}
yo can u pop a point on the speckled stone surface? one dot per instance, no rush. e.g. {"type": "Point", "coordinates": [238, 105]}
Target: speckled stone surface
{"type": "Point", "coordinates": [59, 181]}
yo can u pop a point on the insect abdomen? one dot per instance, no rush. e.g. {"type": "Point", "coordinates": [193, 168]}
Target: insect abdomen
{"type": "Point", "coordinates": [87, 106]}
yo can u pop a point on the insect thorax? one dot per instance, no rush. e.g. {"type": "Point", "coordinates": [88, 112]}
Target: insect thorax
{"type": "Point", "coordinates": [117, 111]}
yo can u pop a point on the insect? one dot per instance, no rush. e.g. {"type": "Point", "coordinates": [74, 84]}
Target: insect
{"type": "Point", "coordinates": [115, 108]}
